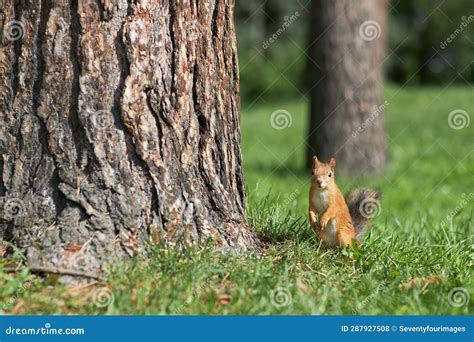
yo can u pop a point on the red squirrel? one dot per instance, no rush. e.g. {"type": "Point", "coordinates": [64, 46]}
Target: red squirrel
{"type": "Point", "coordinates": [340, 220]}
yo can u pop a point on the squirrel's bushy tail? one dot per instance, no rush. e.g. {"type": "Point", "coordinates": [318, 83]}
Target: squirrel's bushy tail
{"type": "Point", "coordinates": [363, 205]}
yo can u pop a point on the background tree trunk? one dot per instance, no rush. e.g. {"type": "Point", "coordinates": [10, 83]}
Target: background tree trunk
{"type": "Point", "coordinates": [272, 17]}
{"type": "Point", "coordinates": [346, 121]}
{"type": "Point", "coordinates": [120, 127]}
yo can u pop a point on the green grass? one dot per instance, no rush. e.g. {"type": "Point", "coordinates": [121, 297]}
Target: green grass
{"type": "Point", "coordinates": [431, 167]}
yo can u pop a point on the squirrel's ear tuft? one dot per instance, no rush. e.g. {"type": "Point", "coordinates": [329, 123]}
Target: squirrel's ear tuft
{"type": "Point", "coordinates": [332, 163]}
{"type": "Point", "coordinates": [315, 161]}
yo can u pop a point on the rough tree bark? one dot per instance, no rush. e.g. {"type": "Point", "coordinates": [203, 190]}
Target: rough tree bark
{"type": "Point", "coordinates": [120, 128]}
{"type": "Point", "coordinates": [346, 56]}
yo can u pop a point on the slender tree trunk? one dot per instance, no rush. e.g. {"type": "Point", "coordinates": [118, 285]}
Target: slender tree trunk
{"type": "Point", "coordinates": [272, 17]}
{"type": "Point", "coordinates": [424, 47]}
{"type": "Point", "coordinates": [347, 50]}
{"type": "Point", "coordinates": [120, 128]}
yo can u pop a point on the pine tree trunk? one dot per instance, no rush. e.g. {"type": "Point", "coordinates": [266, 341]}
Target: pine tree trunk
{"type": "Point", "coordinates": [346, 121]}
{"type": "Point", "coordinates": [120, 129]}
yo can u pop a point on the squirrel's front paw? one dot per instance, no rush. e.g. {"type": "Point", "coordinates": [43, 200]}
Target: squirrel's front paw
{"type": "Point", "coordinates": [324, 222]}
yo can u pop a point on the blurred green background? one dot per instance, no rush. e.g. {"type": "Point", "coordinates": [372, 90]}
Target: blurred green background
{"type": "Point", "coordinates": [427, 78]}
{"type": "Point", "coordinates": [418, 51]}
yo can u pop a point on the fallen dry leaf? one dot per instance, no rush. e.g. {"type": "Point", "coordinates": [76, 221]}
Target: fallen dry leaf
{"type": "Point", "coordinates": [73, 247]}
{"type": "Point", "coordinates": [80, 290]}
{"type": "Point", "coordinates": [301, 286]}
{"type": "Point", "coordinates": [423, 281]}
{"type": "Point", "coordinates": [223, 299]}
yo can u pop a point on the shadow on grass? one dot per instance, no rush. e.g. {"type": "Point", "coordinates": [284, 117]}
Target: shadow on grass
{"type": "Point", "coordinates": [273, 224]}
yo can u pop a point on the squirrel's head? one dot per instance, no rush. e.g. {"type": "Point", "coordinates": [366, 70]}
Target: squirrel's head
{"type": "Point", "coordinates": [322, 173]}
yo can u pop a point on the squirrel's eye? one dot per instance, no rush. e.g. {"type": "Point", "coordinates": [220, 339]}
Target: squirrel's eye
{"type": "Point", "coordinates": [312, 173]}
{"type": "Point", "coordinates": [330, 174]}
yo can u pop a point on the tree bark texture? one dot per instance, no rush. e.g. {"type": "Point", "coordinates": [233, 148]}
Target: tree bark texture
{"type": "Point", "coordinates": [346, 80]}
{"type": "Point", "coordinates": [119, 128]}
